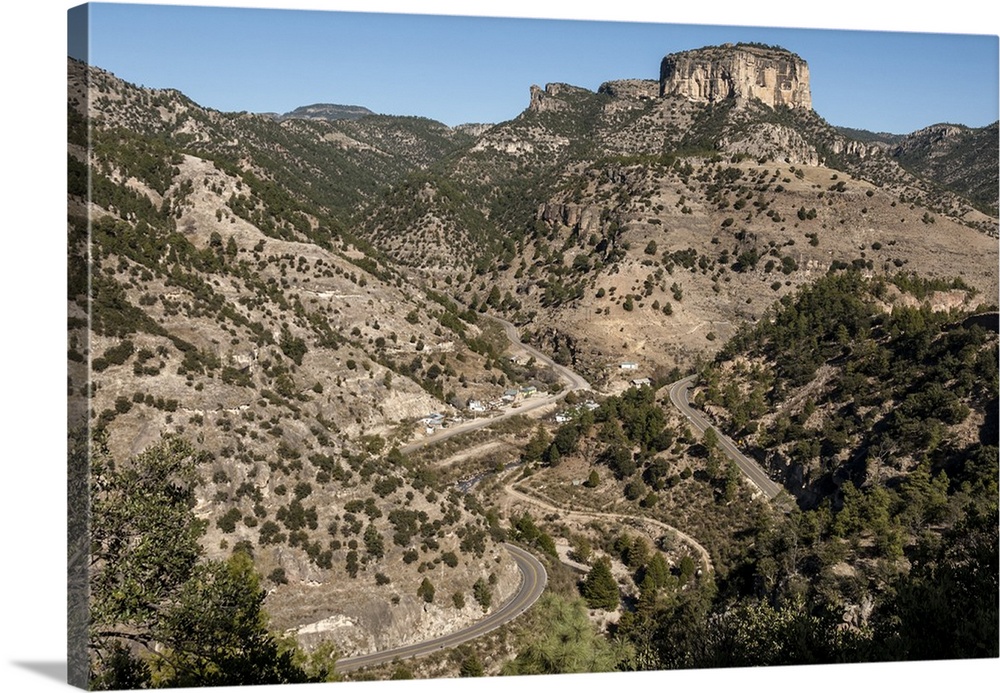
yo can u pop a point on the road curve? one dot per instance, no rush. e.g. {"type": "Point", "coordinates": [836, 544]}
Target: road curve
{"type": "Point", "coordinates": [533, 581]}
{"type": "Point", "coordinates": [574, 380]}
{"type": "Point", "coordinates": [706, 559]}
{"type": "Point", "coordinates": [679, 398]}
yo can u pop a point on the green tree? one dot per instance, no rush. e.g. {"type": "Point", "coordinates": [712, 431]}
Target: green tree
{"type": "Point", "coordinates": [538, 444]}
{"type": "Point", "coordinates": [216, 634]}
{"type": "Point", "coordinates": [658, 571]}
{"type": "Point", "coordinates": [426, 590]}
{"type": "Point", "coordinates": [471, 667]}
{"type": "Point", "coordinates": [159, 614]}
{"type": "Point", "coordinates": [373, 542]}
{"type": "Point", "coordinates": [599, 587]}
{"type": "Point", "coordinates": [947, 606]}
{"type": "Point", "coordinates": [562, 641]}
{"type": "Point", "coordinates": [293, 347]}
{"type": "Point", "coordinates": [483, 594]}
{"type": "Point", "coordinates": [710, 439]}
{"type": "Point", "coordinates": [144, 541]}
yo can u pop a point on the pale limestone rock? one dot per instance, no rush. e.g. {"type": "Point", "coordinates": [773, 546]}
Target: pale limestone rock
{"type": "Point", "coordinates": [631, 89]}
{"type": "Point", "coordinates": [774, 76]}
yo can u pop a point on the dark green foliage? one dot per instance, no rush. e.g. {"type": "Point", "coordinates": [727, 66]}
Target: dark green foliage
{"type": "Point", "coordinates": [537, 445]}
{"type": "Point", "coordinates": [351, 565]}
{"type": "Point", "coordinates": [524, 529]}
{"type": "Point", "coordinates": [947, 606]}
{"type": "Point", "coordinates": [77, 177]}
{"type": "Point", "coordinates": [227, 523]}
{"type": "Point", "coordinates": [913, 510]}
{"type": "Point", "coordinates": [483, 593]}
{"type": "Point", "coordinates": [426, 590]}
{"type": "Point", "coordinates": [113, 314]}
{"type": "Point", "coordinates": [154, 602]}
{"type": "Point", "coordinates": [374, 543]}
{"type": "Point", "coordinates": [471, 667]}
{"type": "Point", "coordinates": [619, 460]}
{"type": "Point", "coordinates": [599, 587]}
{"type": "Point", "coordinates": [217, 634]}
{"type": "Point", "coordinates": [563, 641]}
{"type": "Point", "coordinates": [293, 347]}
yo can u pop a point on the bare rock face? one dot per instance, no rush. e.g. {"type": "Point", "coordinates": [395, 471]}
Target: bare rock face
{"type": "Point", "coordinates": [773, 75]}
{"type": "Point", "coordinates": [553, 97]}
{"type": "Point", "coordinates": [771, 141]}
{"type": "Point", "coordinates": [633, 89]}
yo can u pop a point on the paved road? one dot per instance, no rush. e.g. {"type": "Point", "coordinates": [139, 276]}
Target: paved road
{"type": "Point", "coordinates": [533, 580]}
{"type": "Point", "coordinates": [574, 381]}
{"type": "Point", "coordinates": [476, 424]}
{"type": "Point", "coordinates": [679, 397]}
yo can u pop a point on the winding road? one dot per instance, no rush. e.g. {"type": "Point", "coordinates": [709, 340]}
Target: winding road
{"type": "Point", "coordinates": [706, 559]}
{"type": "Point", "coordinates": [533, 581]}
{"type": "Point", "coordinates": [574, 381]}
{"type": "Point", "coordinates": [679, 398]}
{"type": "Point", "coordinates": [533, 576]}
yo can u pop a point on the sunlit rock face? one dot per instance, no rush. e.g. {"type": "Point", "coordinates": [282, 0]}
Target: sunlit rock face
{"type": "Point", "coordinates": [774, 76]}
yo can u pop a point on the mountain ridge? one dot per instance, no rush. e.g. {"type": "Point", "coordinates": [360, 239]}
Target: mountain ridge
{"type": "Point", "coordinates": [303, 299]}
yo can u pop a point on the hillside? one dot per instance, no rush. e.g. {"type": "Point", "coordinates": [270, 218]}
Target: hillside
{"type": "Point", "coordinates": [592, 210]}
{"type": "Point", "coordinates": [957, 158]}
{"type": "Point", "coordinates": [277, 327]}
{"type": "Point", "coordinates": [229, 313]}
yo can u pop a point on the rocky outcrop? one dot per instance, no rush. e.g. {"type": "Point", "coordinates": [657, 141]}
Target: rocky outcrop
{"type": "Point", "coordinates": [773, 142]}
{"type": "Point", "coordinates": [631, 89]}
{"type": "Point", "coordinates": [774, 76]}
{"type": "Point", "coordinates": [552, 98]}
{"type": "Point", "coordinates": [583, 219]}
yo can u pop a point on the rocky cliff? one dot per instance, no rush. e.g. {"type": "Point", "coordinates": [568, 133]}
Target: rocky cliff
{"type": "Point", "coordinates": [775, 76]}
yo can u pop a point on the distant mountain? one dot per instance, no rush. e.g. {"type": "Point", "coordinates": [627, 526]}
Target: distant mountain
{"type": "Point", "coordinates": [326, 111]}
{"type": "Point", "coordinates": [686, 205]}
{"type": "Point", "coordinates": [954, 158]}
{"type": "Point", "coordinates": [957, 158]}
{"type": "Point", "coordinates": [886, 138]}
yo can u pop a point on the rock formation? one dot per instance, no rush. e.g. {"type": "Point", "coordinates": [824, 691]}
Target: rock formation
{"type": "Point", "coordinates": [552, 98]}
{"type": "Point", "coordinates": [634, 89]}
{"type": "Point", "coordinates": [775, 76]}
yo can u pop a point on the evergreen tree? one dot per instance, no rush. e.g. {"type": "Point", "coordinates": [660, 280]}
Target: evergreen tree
{"type": "Point", "coordinates": [563, 641]}
{"type": "Point", "coordinates": [599, 587]}
{"type": "Point", "coordinates": [537, 446]}
{"type": "Point", "coordinates": [471, 667]}
{"type": "Point", "coordinates": [160, 615]}
{"type": "Point", "coordinates": [426, 590]}
{"type": "Point", "coordinates": [657, 570]}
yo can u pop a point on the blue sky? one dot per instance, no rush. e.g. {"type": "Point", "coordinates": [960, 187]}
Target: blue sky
{"type": "Point", "coordinates": [459, 69]}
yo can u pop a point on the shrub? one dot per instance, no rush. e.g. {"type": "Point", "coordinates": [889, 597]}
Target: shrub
{"type": "Point", "coordinates": [426, 590]}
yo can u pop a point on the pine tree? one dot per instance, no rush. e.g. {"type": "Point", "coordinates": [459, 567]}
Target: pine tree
{"type": "Point", "coordinates": [599, 587]}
